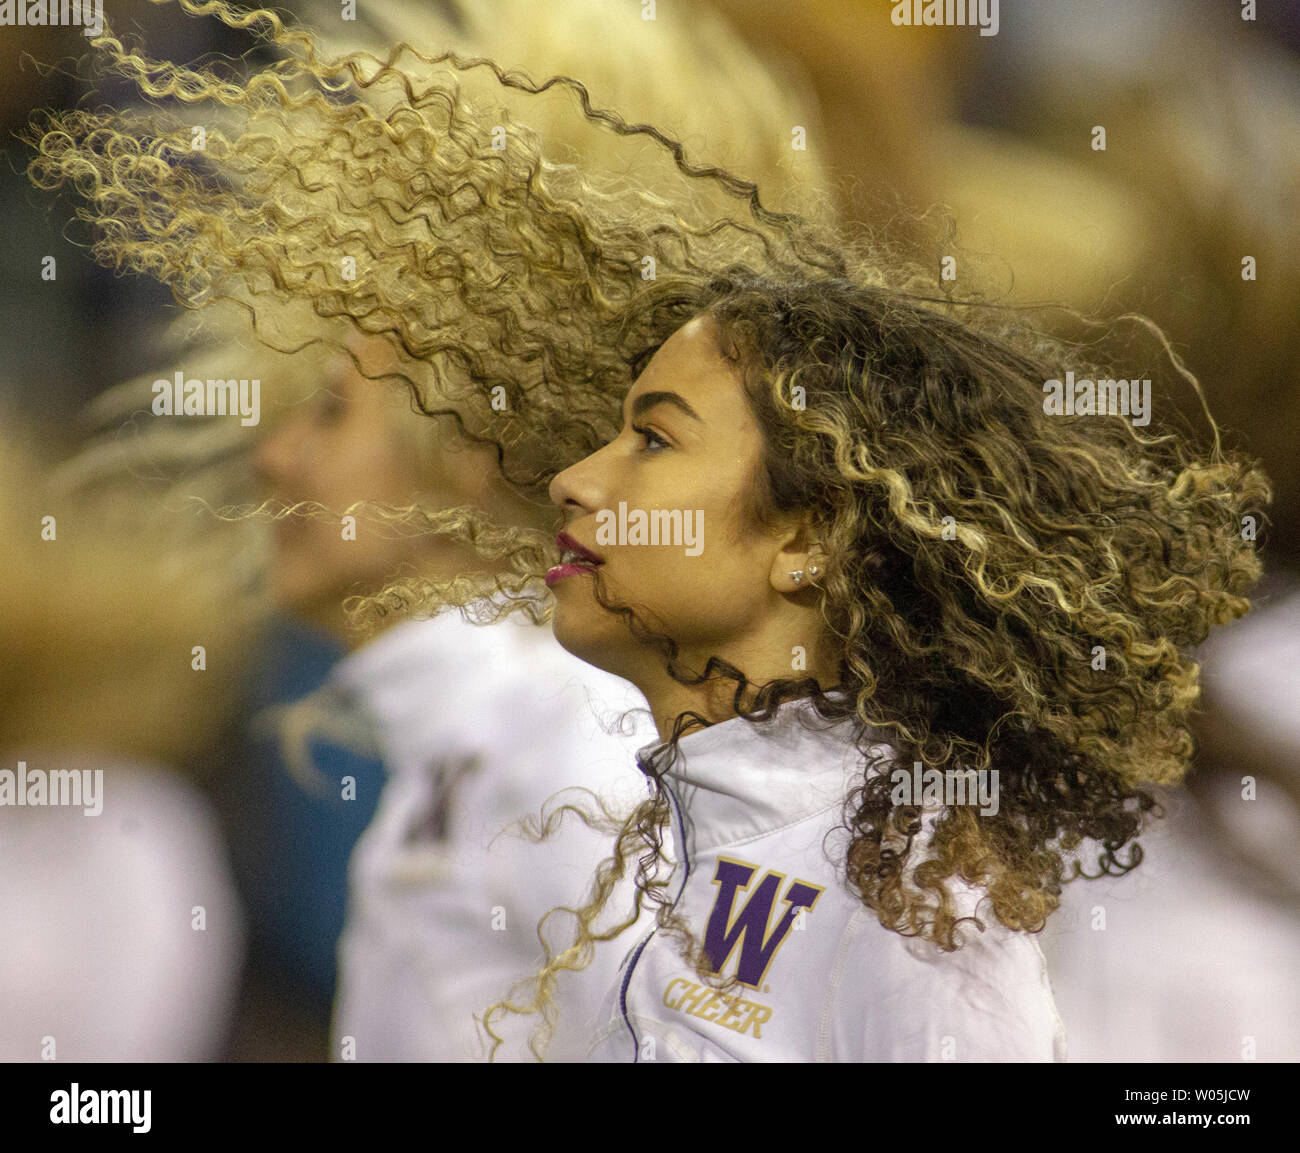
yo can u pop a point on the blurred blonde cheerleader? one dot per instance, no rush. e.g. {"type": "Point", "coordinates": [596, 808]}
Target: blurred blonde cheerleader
{"type": "Point", "coordinates": [909, 560]}
{"type": "Point", "coordinates": [123, 936]}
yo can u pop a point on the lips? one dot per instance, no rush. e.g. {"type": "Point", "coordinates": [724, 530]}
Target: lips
{"type": "Point", "coordinates": [574, 559]}
{"type": "Point", "coordinates": [567, 544]}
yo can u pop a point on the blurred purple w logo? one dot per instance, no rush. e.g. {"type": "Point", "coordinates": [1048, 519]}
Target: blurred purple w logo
{"type": "Point", "coordinates": [751, 929]}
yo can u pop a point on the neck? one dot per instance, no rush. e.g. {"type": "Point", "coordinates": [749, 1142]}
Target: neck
{"type": "Point", "coordinates": [715, 699]}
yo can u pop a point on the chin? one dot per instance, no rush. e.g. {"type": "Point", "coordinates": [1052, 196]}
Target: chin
{"type": "Point", "coordinates": [301, 595]}
{"type": "Point", "coordinates": [292, 590]}
{"type": "Point", "coordinates": [588, 639]}
{"type": "Point", "coordinates": [575, 638]}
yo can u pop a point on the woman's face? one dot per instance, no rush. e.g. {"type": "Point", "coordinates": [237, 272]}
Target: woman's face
{"type": "Point", "coordinates": [689, 444]}
{"type": "Point", "coordinates": [345, 445]}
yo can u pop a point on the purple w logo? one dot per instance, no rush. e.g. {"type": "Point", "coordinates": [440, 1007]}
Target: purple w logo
{"type": "Point", "coordinates": [749, 930]}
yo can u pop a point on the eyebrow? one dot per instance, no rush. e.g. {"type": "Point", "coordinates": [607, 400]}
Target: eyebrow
{"type": "Point", "coordinates": [648, 400]}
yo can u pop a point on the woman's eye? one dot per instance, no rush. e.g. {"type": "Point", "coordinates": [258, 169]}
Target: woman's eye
{"type": "Point", "coordinates": [652, 439]}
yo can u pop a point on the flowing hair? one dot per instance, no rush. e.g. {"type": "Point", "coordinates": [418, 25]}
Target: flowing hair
{"type": "Point", "coordinates": [1006, 588]}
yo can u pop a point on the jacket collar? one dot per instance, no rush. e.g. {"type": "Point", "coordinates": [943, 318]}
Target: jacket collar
{"type": "Point", "coordinates": [453, 687]}
{"type": "Point", "coordinates": [739, 779]}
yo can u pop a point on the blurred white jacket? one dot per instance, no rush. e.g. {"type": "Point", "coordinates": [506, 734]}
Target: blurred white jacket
{"type": "Point", "coordinates": [758, 809]}
{"type": "Point", "coordinates": [122, 933]}
{"type": "Point", "coordinates": [1184, 958]}
{"type": "Point", "coordinates": [478, 726]}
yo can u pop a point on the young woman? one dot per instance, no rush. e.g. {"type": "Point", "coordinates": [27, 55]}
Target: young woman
{"type": "Point", "coordinates": [476, 727]}
{"type": "Point", "coordinates": [929, 640]}
{"type": "Point", "coordinates": [124, 933]}
{"type": "Point", "coordinates": [808, 860]}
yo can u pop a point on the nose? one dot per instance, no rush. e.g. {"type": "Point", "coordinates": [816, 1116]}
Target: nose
{"type": "Point", "coordinates": [577, 489]}
{"type": "Point", "coordinates": [560, 489]}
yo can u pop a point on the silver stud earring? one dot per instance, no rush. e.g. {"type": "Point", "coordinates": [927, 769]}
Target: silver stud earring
{"type": "Point", "coordinates": [813, 570]}
{"type": "Point", "coordinates": [797, 577]}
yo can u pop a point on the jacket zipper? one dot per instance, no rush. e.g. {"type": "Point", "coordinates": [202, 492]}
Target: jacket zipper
{"type": "Point", "coordinates": [679, 824]}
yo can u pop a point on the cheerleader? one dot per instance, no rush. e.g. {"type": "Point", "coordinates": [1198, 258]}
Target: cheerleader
{"type": "Point", "coordinates": [821, 909]}
{"type": "Point", "coordinates": [124, 933]}
{"type": "Point", "coordinates": [476, 728]}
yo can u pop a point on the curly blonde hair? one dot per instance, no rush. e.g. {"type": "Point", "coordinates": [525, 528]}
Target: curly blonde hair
{"type": "Point", "coordinates": [980, 550]}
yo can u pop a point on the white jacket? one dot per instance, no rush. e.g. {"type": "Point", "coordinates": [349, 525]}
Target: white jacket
{"type": "Point", "coordinates": [1183, 959]}
{"type": "Point", "coordinates": [757, 808]}
{"type": "Point", "coordinates": [104, 949]}
{"type": "Point", "coordinates": [478, 726]}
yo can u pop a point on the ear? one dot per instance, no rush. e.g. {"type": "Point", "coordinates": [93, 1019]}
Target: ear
{"type": "Point", "coordinates": [800, 562]}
